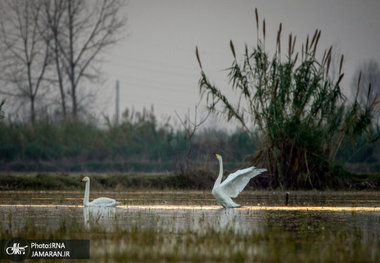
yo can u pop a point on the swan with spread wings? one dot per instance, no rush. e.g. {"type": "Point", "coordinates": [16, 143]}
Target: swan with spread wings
{"type": "Point", "coordinates": [233, 185]}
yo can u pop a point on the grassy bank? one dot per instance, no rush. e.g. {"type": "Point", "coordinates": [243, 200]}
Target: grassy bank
{"type": "Point", "coordinates": [72, 181]}
{"type": "Point", "coordinates": [193, 180]}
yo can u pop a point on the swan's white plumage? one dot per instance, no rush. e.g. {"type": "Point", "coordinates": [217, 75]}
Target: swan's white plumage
{"type": "Point", "coordinates": [103, 201]}
{"type": "Point", "coordinates": [233, 185]}
{"type": "Point", "coordinates": [99, 202]}
{"type": "Point", "coordinates": [237, 181]}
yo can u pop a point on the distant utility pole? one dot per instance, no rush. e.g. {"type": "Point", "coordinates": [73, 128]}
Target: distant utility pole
{"type": "Point", "coordinates": [117, 102]}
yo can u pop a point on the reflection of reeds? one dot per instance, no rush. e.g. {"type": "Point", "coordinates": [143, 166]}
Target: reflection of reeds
{"type": "Point", "coordinates": [310, 240]}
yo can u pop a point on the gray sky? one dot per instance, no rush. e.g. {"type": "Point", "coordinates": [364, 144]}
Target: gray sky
{"type": "Point", "coordinates": [156, 62]}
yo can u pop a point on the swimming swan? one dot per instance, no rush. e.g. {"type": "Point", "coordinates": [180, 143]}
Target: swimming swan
{"type": "Point", "coordinates": [233, 185]}
{"type": "Point", "coordinates": [101, 201]}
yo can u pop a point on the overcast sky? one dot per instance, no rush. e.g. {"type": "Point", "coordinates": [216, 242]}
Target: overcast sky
{"type": "Point", "coordinates": [156, 63]}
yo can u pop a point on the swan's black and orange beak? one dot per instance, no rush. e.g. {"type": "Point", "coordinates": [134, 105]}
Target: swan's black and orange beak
{"type": "Point", "coordinates": [217, 155]}
{"type": "Point", "coordinates": [83, 180]}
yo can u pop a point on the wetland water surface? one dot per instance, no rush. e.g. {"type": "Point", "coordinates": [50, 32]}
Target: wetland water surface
{"type": "Point", "coordinates": [175, 217]}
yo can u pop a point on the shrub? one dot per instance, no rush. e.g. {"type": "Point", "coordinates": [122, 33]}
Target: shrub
{"type": "Point", "coordinates": [297, 109]}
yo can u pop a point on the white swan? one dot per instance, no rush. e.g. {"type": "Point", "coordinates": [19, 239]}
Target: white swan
{"type": "Point", "coordinates": [101, 201]}
{"type": "Point", "coordinates": [233, 185]}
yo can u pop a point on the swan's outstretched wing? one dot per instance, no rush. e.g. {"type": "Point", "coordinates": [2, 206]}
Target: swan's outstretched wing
{"type": "Point", "coordinates": [236, 181]}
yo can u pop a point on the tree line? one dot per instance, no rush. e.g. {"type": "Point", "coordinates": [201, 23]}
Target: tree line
{"type": "Point", "coordinates": [138, 143]}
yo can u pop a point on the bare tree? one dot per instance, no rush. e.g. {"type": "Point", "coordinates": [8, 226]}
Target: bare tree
{"type": "Point", "coordinates": [189, 129]}
{"type": "Point", "coordinates": [55, 43]}
{"type": "Point", "coordinates": [25, 53]}
{"type": "Point", "coordinates": [53, 19]}
{"type": "Point", "coordinates": [80, 33]}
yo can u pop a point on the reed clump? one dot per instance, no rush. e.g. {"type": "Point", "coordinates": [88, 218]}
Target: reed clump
{"type": "Point", "coordinates": [293, 108]}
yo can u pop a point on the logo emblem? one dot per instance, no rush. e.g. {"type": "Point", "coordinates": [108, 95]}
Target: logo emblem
{"type": "Point", "coordinates": [17, 249]}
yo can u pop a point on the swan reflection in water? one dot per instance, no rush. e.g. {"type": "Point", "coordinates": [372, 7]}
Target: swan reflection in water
{"type": "Point", "coordinates": [236, 220]}
{"type": "Point", "coordinates": [99, 216]}
{"type": "Point", "coordinates": [173, 220]}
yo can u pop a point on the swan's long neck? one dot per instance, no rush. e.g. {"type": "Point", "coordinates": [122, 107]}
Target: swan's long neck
{"type": "Point", "coordinates": [219, 179]}
{"type": "Point", "coordinates": [86, 193]}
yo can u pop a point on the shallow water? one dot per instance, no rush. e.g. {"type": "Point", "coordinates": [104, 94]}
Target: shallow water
{"type": "Point", "coordinates": [154, 226]}
{"type": "Point", "coordinates": [181, 211]}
